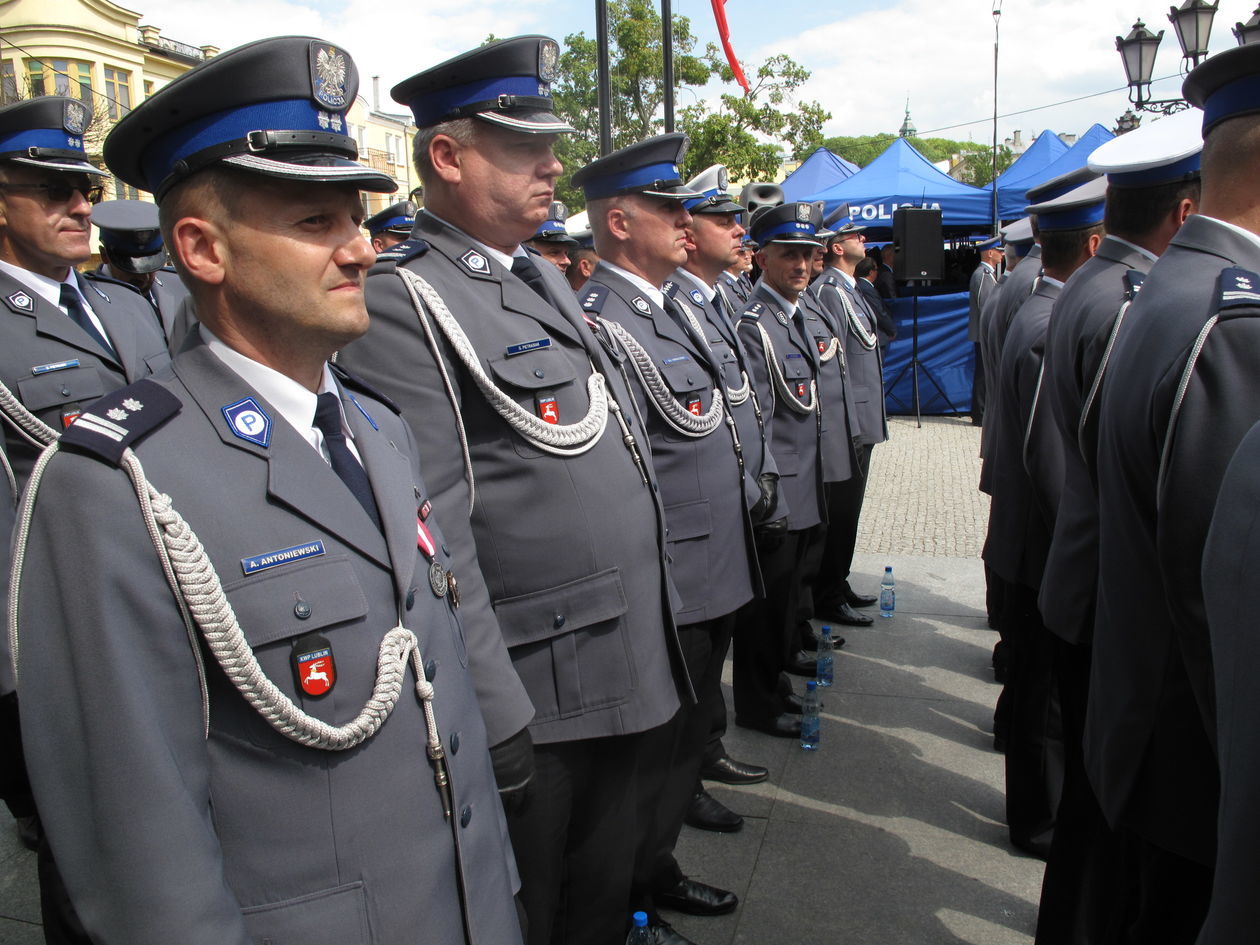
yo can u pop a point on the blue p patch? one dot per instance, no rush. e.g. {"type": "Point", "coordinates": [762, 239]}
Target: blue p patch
{"type": "Point", "coordinates": [249, 421]}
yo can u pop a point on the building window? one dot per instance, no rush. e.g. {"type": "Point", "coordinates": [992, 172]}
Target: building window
{"type": "Point", "coordinates": [60, 77]}
{"type": "Point", "coordinates": [124, 191]}
{"type": "Point", "coordinates": [117, 92]}
{"type": "Point", "coordinates": [8, 82]}
{"type": "Point", "coordinates": [148, 87]}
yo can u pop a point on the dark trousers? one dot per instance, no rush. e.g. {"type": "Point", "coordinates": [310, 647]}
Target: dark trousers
{"type": "Point", "coordinates": [669, 773]}
{"type": "Point", "coordinates": [1168, 895]}
{"type": "Point", "coordinates": [761, 631]}
{"type": "Point", "coordinates": [1034, 751]}
{"type": "Point", "coordinates": [574, 835]}
{"type": "Point", "coordinates": [978, 387]}
{"type": "Point", "coordinates": [1082, 893]}
{"type": "Point", "coordinates": [844, 508]}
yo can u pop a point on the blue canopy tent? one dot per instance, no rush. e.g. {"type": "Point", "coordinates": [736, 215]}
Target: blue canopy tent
{"type": "Point", "coordinates": [820, 170]}
{"type": "Point", "coordinates": [1027, 171]}
{"type": "Point", "coordinates": [901, 176]}
{"type": "Point", "coordinates": [1070, 160]}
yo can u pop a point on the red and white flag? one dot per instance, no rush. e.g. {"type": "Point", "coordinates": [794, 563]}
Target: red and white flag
{"type": "Point", "coordinates": [724, 32]}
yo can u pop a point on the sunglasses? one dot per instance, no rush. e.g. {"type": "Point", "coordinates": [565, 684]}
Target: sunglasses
{"type": "Point", "coordinates": [61, 191]}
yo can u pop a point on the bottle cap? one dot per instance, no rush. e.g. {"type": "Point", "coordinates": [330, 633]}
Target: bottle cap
{"type": "Point", "coordinates": [826, 630]}
{"type": "Point", "coordinates": [640, 920]}
{"type": "Point", "coordinates": [811, 685]}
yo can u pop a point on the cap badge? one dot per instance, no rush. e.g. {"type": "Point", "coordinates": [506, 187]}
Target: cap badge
{"type": "Point", "coordinates": [803, 210]}
{"type": "Point", "coordinates": [724, 179]}
{"type": "Point", "coordinates": [328, 76]}
{"type": "Point", "coordinates": [548, 61]}
{"type": "Point", "coordinates": [74, 118]}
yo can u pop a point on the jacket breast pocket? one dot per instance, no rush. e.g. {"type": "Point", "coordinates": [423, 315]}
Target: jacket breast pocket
{"type": "Point", "coordinates": [692, 388]}
{"type": "Point", "coordinates": [541, 381]}
{"type": "Point", "coordinates": [58, 389]}
{"type": "Point", "coordinates": [336, 916]}
{"type": "Point", "coordinates": [568, 644]}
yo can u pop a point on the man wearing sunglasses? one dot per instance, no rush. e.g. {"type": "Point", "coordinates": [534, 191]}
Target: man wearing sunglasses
{"type": "Point", "coordinates": [64, 342]}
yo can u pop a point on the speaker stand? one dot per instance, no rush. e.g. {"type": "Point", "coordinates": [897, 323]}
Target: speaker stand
{"type": "Point", "coordinates": [914, 365]}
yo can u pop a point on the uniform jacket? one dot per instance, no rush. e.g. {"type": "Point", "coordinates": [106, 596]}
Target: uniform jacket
{"type": "Point", "coordinates": [865, 365]}
{"type": "Point", "coordinates": [885, 324]}
{"type": "Point", "coordinates": [571, 548]}
{"type": "Point", "coordinates": [737, 289]}
{"type": "Point", "coordinates": [165, 834]}
{"type": "Point", "coordinates": [885, 283]}
{"type": "Point", "coordinates": [1075, 341]}
{"type": "Point", "coordinates": [983, 282]}
{"type": "Point", "coordinates": [168, 294]}
{"type": "Point", "coordinates": [710, 539]}
{"type": "Point", "coordinates": [1152, 714]}
{"type": "Point", "coordinates": [1019, 523]}
{"type": "Point", "coordinates": [793, 436]}
{"type": "Point", "coordinates": [840, 422]}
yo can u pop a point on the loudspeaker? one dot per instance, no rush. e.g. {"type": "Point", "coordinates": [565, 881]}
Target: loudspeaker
{"type": "Point", "coordinates": [920, 249]}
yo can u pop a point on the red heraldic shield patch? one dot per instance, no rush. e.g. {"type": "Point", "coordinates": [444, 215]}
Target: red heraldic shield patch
{"type": "Point", "coordinates": [693, 406]}
{"type": "Point", "coordinates": [800, 388]}
{"type": "Point", "coordinates": [548, 409]}
{"type": "Point", "coordinates": [313, 665]}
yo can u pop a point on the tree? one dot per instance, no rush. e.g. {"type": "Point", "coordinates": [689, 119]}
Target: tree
{"type": "Point", "coordinates": [977, 163]}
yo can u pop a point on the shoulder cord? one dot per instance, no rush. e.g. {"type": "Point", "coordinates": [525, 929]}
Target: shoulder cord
{"type": "Point", "coordinates": [702, 340]}
{"type": "Point", "coordinates": [559, 439]}
{"type": "Point", "coordinates": [736, 397]}
{"type": "Point", "coordinates": [1098, 377]}
{"type": "Point", "coordinates": [779, 383]}
{"type": "Point", "coordinates": [1187, 373]}
{"type": "Point", "coordinates": [866, 338]}
{"type": "Point", "coordinates": [1032, 414]}
{"type": "Point", "coordinates": [666, 404]}
{"type": "Point", "coordinates": [203, 603]}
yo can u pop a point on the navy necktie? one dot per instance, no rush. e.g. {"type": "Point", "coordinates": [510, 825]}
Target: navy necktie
{"type": "Point", "coordinates": [344, 463]}
{"type": "Point", "coordinates": [524, 269]}
{"type": "Point", "coordinates": [79, 315]}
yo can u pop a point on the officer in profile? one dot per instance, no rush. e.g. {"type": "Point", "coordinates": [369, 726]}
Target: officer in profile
{"type": "Point", "coordinates": [983, 283]}
{"type": "Point", "coordinates": [552, 241]}
{"type": "Point", "coordinates": [532, 445]}
{"type": "Point", "coordinates": [67, 339]}
{"type": "Point", "coordinates": [223, 731]}
{"type": "Point", "coordinates": [391, 226]}
{"type": "Point", "coordinates": [132, 251]}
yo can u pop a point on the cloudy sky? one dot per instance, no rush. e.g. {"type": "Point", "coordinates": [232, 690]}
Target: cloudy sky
{"type": "Point", "coordinates": [866, 56]}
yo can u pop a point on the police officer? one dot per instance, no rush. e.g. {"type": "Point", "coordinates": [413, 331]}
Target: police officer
{"type": "Point", "coordinates": [635, 204]}
{"type": "Point", "coordinates": [983, 283]}
{"type": "Point", "coordinates": [1027, 477]}
{"type": "Point", "coordinates": [552, 241]}
{"type": "Point", "coordinates": [785, 365]}
{"type": "Point", "coordinates": [530, 439]}
{"type": "Point", "coordinates": [1152, 186]}
{"type": "Point", "coordinates": [132, 252]}
{"type": "Point", "coordinates": [67, 339]}
{"type": "Point", "coordinates": [391, 226]}
{"type": "Point", "coordinates": [1177, 399]}
{"type": "Point", "coordinates": [236, 770]}
{"type": "Point", "coordinates": [836, 293]}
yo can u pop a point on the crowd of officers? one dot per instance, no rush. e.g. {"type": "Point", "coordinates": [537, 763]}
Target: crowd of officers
{"type": "Point", "coordinates": [329, 628]}
{"type": "Point", "coordinates": [1121, 350]}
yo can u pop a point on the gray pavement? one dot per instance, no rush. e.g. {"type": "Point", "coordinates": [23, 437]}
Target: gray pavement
{"type": "Point", "coordinates": [892, 833]}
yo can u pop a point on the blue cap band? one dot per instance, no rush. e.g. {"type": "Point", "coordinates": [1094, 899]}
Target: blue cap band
{"type": "Point", "coordinates": [392, 221]}
{"type": "Point", "coordinates": [1021, 249]}
{"type": "Point", "coordinates": [233, 125]}
{"type": "Point", "coordinates": [1164, 174]}
{"type": "Point", "coordinates": [795, 227]}
{"type": "Point", "coordinates": [1232, 98]}
{"type": "Point", "coordinates": [705, 197]}
{"type": "Point", "coordinates": [42, 138]}
{"type": "Point", "coordinates": [632, 179]}
{"type": "Point", "coordinates": [125, 242]}
{"type": "Point", "coordinates": [432, 107]}
{"type": "Point", "coordinates": [1073, 218]}
{"type": "Point", "coordinates": [550, 227]}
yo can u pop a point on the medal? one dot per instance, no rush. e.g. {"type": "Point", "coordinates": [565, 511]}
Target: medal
{"type": "Point", "coordinates": [313, 665]}
{"type": "Point", "coordinates": [437, 579]}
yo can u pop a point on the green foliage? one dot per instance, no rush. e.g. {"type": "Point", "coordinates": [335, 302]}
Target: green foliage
{"type": "Point", "coordinates": [977, 163]}
{"type": "Point", "coordinates": [976, 158]}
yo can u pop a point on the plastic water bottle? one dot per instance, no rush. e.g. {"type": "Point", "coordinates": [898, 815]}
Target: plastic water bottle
{"type": "Point", "coordinates": [887, 593]}
{"type": "Point", "coordinates": [810, 723]}
{"type": "Point", "coordinates": [826, 661]}
{"type": "Point", "coordinates": [640, 934]}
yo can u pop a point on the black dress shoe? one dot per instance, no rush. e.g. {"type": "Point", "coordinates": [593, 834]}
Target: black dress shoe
{"type": "Point", "coordinates": [696, 898]}
{"type": "Point", "coordinates": [847, 615]}
{"type": "Point", "coordinates": [854, 599]}
{"type": "Point", "coordinates": [793, 704]}
{"type": "Point", "coordinates": [662, 933]}
{"type": "Point", "coordinates": [781, 726]}
{"type": "Point", "coordinates": [802, 664]}
{"type": "Point", "coordinates": [708, 813]}
{"type": "Point", "coordinates": [729, 771]}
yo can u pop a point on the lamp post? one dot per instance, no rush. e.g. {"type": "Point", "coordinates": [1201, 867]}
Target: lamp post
{"type": "Point", "coordinates": [997, 17]}
{"type": "Point", "coordinates": [1192, 22]}
{"type": "Point", "coordinates": [1248, 32]}
{"type": "Point", "coordinates": [1127, 122]}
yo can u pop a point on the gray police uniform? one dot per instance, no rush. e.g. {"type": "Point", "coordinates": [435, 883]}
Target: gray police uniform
{"type": "Point", "coordinates": [983, 282]}
{"type": "Point", "coordinates": [168, 294]}
{"type": "Point", "coordinates": [243, 835]}
{"type": "Point", "coordinates": [836, 398]}
{"type": "Point", "coordinates": [861, 346]}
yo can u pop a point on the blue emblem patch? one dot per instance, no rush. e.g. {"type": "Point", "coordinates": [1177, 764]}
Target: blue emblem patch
{"type": "Point", "coordinates": [354, 400]}
{"type": "Point", "coordinates": [697, 296]}
{"type": "Point", "coordinates": [527, 346]}
{"type": "Point", "coordinates": [272, 559]}
{"type": "Point", "coordinates": [249, 421]}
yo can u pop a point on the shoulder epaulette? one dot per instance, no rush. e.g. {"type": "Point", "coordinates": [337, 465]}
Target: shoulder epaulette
{"type": "Point", "coordinates": [121, 419]}
{"type": "Point", "coordinates": [753, 312]}
{"type": "Point", "coordinates": [594, 299]}
{"type": "Point", "coordinates": [1238, 287]}
{"type": "Point", "coordinates": [1133, 280]}
{"type": "Point", "coordinates": [354, 382]}
{"type": "Point", "coordinates": [829, 279]}
{"type": "Point", "coordinates": [402, 252]}
{"type": "Point", "coordinates": [670, 288]}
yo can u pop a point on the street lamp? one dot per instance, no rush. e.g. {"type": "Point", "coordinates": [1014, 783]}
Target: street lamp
{"type": "Point", "coordinates": [1127, 122]}
{"type": "Point", "coordinates": [1248, 32]}
{"type": "Point", "coordinates": [1193, 23]}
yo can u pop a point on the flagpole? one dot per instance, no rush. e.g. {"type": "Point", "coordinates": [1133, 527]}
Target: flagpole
{"type": "Point", "coordinates": [602, 78]}
{"type": "Point", "coordinates": [667, 46]}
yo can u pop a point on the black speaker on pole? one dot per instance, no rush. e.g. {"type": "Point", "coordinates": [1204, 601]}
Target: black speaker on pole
{"type": "Point", "coordinates": [920, 249]}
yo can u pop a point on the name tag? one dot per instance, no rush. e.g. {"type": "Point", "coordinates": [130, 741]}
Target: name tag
{"type": "Point", "coordinates": [795, 354]}
{"type": "Point", "coordinates": [55, 366]}
{"type": "Point", "coordinates": [272, 559]}
{"type": "Point", "coordinates": [528, 346]}
{"type": "Point", "coordinates": [681, 357]}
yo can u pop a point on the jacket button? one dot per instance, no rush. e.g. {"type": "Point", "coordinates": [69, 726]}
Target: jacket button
{"type": "Point", "coordinates": [558, 622]}
{"type": "Point", "coordinates": [301, 610]}
{"type": "Point", "coordinates": [538, 372]}
{"type": "Point", "coordinates": [430, 670]}
{"type": "Point", "coordinates": [411, 598]}
{"type": "Point", "coordinates": [455, 744]}
{"type": "Point", "coordinates": [465, 816]}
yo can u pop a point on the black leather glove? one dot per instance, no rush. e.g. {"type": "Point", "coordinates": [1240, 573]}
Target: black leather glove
{"type": "Point", "coordinates": [768, 483]}
{"type": "Point", "coordinates": [770, 536]}
{"type": "Point", "coordinates": [513, 762]}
